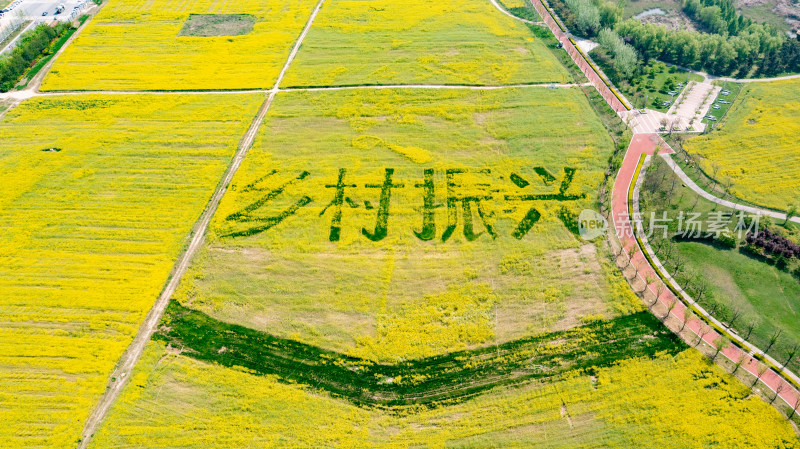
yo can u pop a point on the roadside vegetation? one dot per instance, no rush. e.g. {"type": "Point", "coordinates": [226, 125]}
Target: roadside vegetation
{"type": "Point", "coordinates": [35, 45]}
{"type": "Point", "coordinates": [653, 85]}
{"type": "Point", "coordinates": [731, 44]}
{"type": "Point", "coordinates": [749, 280]}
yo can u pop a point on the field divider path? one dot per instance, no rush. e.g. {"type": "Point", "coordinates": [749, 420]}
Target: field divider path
{"type": "Point", "coordinates": [36, 81]}
{"type": "Point", "coordinates": [119, 378]}
{"type": "Point", "coordinates": [20, 95]}
{"type": "Point", "coordinates": [714, 199]}
{"type": "Point", "coordinates": [508, 13]}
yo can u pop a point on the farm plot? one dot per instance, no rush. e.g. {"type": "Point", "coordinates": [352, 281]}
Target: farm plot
{"type": "Point", "coordinates": [355, 42]}
{"type": "Point", "coordinates": [411, 223]}
{"type": "Point", "coordinates": [755, 149]}
{"type": "Point", "coordinates": [99, 194]}
{"type": "Point", "coordinates": [664, 401]}
{"type": "Point", "coordinates": [170, 45]}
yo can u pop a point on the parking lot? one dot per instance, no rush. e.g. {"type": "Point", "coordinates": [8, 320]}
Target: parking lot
{"type": "Point", "coordinates": [37, 10]}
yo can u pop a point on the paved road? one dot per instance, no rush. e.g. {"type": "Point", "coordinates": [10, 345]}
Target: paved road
{"type": "Point", "coordinates": [582, 63]}
{"type": "Point", "coordinates": [699, 190]}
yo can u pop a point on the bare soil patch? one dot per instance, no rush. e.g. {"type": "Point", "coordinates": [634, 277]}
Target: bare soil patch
{"type": "Point", "coordinates": [207, 25]}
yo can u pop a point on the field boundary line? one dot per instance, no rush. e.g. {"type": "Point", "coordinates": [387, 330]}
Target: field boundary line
{"type": "Point", "coordinates": [26, 94]}
{"type": "Point", "coordinates": [122, 373]}
{"type": "Point", "coordinates": [509, 14]}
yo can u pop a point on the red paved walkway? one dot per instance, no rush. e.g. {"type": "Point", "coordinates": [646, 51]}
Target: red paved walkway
{"type": "Point", "coordinates": [647, 144]}
{"type": "Point", "coordinates": [580, 61]}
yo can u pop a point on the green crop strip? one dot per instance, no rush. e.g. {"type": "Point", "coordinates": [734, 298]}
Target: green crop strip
{"type": "Point", "coordinates": [435, 380]}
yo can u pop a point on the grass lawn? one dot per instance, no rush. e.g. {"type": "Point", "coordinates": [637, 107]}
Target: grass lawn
{"type": "Point", "coordinates": [756, 146]}
{"type": "Point", "coordinates": [100, 193]}
{"type": "Point", "coordinates": [724, 108]}
{"type": "Point", "coordinates": [450, 268]}
{"type": "Point", "coordinates": [445, 42]}
{"type": "Point", "coordinates": [521, 8]}
{"type": "Point", "coordinates": [650, 85]}
{"type": "Point", "coordinates": [759, 290]}
{"type": "Point", "coordinates": [735, 280]}
{"type": "Point", "coordinates": [137, 45]}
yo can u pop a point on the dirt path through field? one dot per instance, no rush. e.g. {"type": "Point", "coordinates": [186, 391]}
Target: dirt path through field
{"type": "Point", "coordinates": [119, 378]}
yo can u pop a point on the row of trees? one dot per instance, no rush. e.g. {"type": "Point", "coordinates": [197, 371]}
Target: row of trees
{"type": "Point", "coordinates": [623, 57]}
{"type": "Point", "coordinates": [31, 45]}
{"type": "Point", "coordinates": [735, 46]}
{"type": "Point", "coordinates": [718, 16]}
{"type": "Point", "coordinates": [588, 17]}
{"type": "Point", "coordinates": [718, 54]}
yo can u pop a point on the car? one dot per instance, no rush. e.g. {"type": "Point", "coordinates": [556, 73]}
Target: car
{"type": "Point", "coordinates": [44, 13]}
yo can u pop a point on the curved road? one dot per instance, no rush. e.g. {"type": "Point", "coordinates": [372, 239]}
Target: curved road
{"type": "Point", "coordinates": [503, 10]}
{"type": "Point", "coordinates": [628, 175]}
{"type": "Point", "coordinates": [699, 190]}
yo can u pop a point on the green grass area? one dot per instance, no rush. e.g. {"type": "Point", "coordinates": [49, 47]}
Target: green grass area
{"type": "Point", "coordinates": [449, 378]}
{"type": "Point", "coordinates": [460, 261]}
{"type": "Point", "coordinates": [759, 291]}
{"type": "Point", "coordinates": [736, 287]}
{"type": "Point", "coordinates": [650, 86]}
{"type": "Point", "coordinates": [446, 42]}
{"type": "Point", "coordinates": [522, 9]}
{"type": "Point", "coordinates": [725, 102]}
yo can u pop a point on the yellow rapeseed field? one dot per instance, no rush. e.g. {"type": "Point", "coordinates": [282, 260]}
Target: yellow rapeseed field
{"type": "Point", "coordinates": [135, 45]}
{"type": "Point", "coordinates": [756, 148]}
{"type": "Point", "coordinates": [664, 403]}
{"type": "Point", "coordinates": [99, 195]}
{"type": "Point", "coordinates": [404, 223]}
{"type": "Point", "coordinates": [442, 42]}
